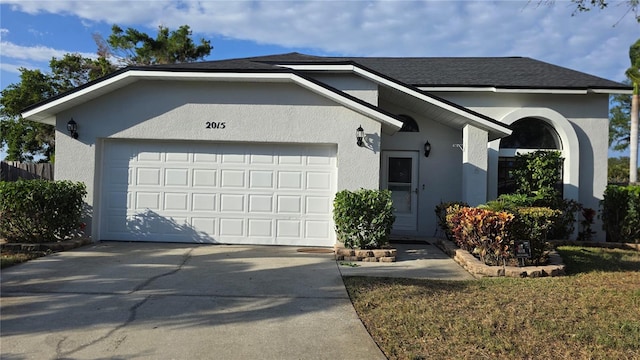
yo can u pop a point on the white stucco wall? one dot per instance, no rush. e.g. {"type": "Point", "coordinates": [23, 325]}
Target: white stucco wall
{"type": "Point", "coordinates": [252, 112]}
{"type": "Point", "coordinates": [576, 117]}
{"type": "Point", "coordinates": [351, 84]}
{"type": "Point", "coordinates": [474, 165]}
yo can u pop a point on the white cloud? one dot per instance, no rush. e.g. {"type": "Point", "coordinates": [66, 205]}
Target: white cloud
{"type": "Point", "coordinates": [10, 68]}
{"type": "Point", "coordinates": [586, 42]}
{"type": "Point", "coordinates": [34, 53]}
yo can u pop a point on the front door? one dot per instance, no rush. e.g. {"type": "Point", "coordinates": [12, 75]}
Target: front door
{"type": "Point", "coordinates": [400, 175]}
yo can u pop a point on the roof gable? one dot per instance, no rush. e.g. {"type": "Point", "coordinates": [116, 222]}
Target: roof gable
{"type": "Point", "coordinates": [45, 112]}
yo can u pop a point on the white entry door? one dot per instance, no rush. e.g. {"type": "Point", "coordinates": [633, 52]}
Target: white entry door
{"type": "Point", "coordinates": [400, 175]}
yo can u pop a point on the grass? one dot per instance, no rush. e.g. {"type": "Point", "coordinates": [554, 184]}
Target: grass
{"type": "Point", "coordinates": [8, 258]}
{"type": "Point", "coordinates": [594, 313]}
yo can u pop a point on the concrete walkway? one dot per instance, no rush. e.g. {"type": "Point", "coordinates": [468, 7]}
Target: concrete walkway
{"type": "Point", "coordinates": [417, 260]}
{"type": "Point", "coordinates": [171, 301]}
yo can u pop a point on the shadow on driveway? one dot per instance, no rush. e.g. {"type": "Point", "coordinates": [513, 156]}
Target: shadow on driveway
{"type": "Point", "coordinates": [151, 300]}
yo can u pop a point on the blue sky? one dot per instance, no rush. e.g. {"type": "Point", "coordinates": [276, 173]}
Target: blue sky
{"type": "Point", "coordinates": [596, 42]}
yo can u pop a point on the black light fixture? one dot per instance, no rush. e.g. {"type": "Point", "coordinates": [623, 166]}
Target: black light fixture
{"type": "Point", "coordinates": [73, 128]}
{"type": "Point", "coordinates": [359, 135]}
{"type": "Point", "coordinates": [427, 149]}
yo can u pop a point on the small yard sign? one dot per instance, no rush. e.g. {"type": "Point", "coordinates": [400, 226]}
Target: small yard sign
{"type": "Point", "coordinates": [523, 249]}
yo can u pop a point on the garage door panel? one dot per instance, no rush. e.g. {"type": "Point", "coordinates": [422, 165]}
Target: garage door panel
{"type": "Point", "coordinates": [261, 159]}
{"type": "Point", "coordinates": [259, 203]}
{"type": "Point", "coordinates": [261, 179]}
{"type": "Point", "coordinates": [204, 202]}
{"type": "Point", "coordinates": [148, 176]}
{"type": "Point", "coordinates": [317, 205]}
{"type": "Point", "coordinates": [221, 193]}
{"type": "Point", "coordinates": [150, 155]}
{"type": "Point", "coordinates": [232, 179]}
{"type": "Point", "coordinates": [176, 177]}
{"type": "Point", "coordinates": [288, 228]}
{"type": "Point", "coordinates": [231, 227]}
{"type": "Point", "coordinates": [204, 178]}
{"type": "Point", "coordinates": [289, 204]}
{"type": "Point", "coordinates": [316, 229]}
{"type": "Point", "coordinates": [260, 227]}
{"type": "Point", "coordinates": [205, 224]}
{"type": "Point", "coordinates": [318, 181]}
{"type": "Point", "coordinates": [232, 202]}
{"type": "Point", "coordinates": [147, 200]}
{"type": "Point", "coordinates": [290, 180]}
{"type": "Point", "coordinates": [205, 158]}
{"type": "Point", "coordinates": [176, 201]}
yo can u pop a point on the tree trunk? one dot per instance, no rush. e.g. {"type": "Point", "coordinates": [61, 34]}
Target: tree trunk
{"type": "Point", "coordinates": [633, 140]}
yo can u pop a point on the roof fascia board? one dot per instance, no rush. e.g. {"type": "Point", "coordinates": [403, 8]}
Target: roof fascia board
{"type": "Point", "coordinates": [405, 89]}
{"type": "Point", "coordinates": [501, 90]}
{"type": "Point", "coordinates": [40, 113]}
{"type": "Point", "coordinates": [319, 67]}
{"type": "Point", "coordinates": [523, 90]}
{"type": "Point", "coordinates": [612, 91]}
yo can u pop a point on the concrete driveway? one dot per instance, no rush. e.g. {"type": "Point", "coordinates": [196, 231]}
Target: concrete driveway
{"type": "Point", "coordinates": [168, 301]}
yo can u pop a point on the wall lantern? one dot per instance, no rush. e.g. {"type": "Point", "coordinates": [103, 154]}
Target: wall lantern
{"type": "Point", "coordinates": [359, 135]}
{"type": "Point", "coordinates": [427, 149]}
{"type": "Point", "coordinates": [73, 128]}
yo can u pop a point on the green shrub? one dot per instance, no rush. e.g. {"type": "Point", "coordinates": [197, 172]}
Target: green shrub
{"type": "Point", "coordinates": [40, 211]}
{"type": "Point", "coordinates": [483, 232]}
{"type": "Point", "coordinates": [509, 202]}
{"type": "Point", "coordinates": [363, 218]}
{"type": "Point", "coordinates": [620, 212]}
{"type": "Point", "coordinates": [585, 233]}
{"type": "Point", "coordinates": [538, 173]}
{"type": "Point", "coordinates": [537, 177]}
{"type": "Point", "coordinates": [565, 224]}
{"type": "Point", "coordinates": [533, 224]}
{"type": "Point", "coordinates": [446, 208]}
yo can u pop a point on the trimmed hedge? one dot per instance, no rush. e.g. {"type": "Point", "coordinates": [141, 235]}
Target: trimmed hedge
{"type": "Point", "coordinates": [533, 224]}
{"type": "Point", "coordinates": [37, 211]}
{"type": "Point", "coordinates": [620, 212]}
{"type": "Point", "coordinates": [363, 218]}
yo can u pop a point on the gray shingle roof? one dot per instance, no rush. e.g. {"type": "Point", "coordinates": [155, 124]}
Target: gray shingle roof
{"type": "Point", "coordinates": [500, 72]}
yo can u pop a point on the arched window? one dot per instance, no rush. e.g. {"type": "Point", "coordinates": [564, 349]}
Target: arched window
{"type": "Point", "coordinates": [532, 133]}
{"type": "Point", "coordinates": [528, 134]}
{"type": "Point", "coordinates": [408, 124]}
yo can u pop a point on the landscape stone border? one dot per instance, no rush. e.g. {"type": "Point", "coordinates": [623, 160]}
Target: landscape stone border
{"type": "Point", "coordinates": [55, 246]}
{"type": "Point", "coordinates": [377, 255]}
{"type": "Point", "coordinates": [479, 269]}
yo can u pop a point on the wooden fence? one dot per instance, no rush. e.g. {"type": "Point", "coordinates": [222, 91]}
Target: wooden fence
{"type": "Point", "coordinates": [13, 170]}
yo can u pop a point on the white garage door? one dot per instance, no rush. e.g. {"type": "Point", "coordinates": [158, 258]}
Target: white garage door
{"type": "Point", "coordinates": [218, 193]}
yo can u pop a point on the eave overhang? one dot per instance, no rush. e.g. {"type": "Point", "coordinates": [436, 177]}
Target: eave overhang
{"type": "Point", "coordinates": [447, 112]}
{"type": "Point", "coordinates": [45, 112]}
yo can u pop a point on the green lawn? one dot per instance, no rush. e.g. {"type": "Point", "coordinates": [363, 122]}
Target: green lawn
{"type": "Point", "coordinates": [9, 259]}
{"type": "Point", "coordinates": [594, 313]}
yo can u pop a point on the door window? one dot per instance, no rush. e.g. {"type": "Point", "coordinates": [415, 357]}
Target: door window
{"type": "Point", "coordinates": [400, 175]}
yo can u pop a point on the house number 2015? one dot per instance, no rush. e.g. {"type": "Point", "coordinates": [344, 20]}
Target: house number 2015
{"type": "Point", "coordinates": [214, 125]}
